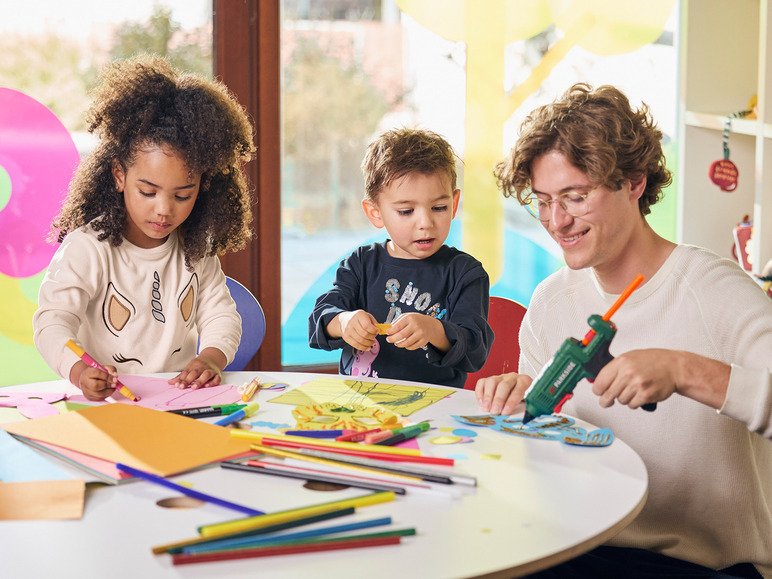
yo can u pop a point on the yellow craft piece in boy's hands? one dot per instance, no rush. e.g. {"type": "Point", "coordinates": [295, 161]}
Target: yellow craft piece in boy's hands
{"type": "Point", "coordinates": [382, 328]}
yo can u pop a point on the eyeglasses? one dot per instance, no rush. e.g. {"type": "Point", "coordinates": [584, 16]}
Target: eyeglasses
{"type": "Point", "coordinates": [573, 203]}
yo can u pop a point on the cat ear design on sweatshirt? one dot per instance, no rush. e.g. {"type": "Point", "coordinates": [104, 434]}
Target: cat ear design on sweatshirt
{"type": "Point", "coordinates": [117, 310]}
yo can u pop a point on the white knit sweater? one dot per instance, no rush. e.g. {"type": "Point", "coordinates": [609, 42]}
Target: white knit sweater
{"type": "Point", "coordinates": [710, 473]}
{"type": "Point", "coordinates": [139, 310]}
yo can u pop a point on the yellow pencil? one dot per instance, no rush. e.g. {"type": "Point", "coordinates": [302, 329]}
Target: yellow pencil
{"type": "Point", "coordinates": [249, 523]}
{"type": "Point", "coordinates": [229, 528]}
{"type": "Point", "coordinates": [258, 437]}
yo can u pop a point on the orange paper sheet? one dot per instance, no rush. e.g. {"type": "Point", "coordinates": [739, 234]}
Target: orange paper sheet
{"type": "Point", "coordinates": [42, 500]}
{"type": "Point", "coordinates": [159, 442]}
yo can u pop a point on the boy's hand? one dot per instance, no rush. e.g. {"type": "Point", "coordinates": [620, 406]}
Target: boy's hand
{"type": "Point", "coordinates": [412, 331]}
{"type": "Point", "coordinates": [202, 371]}
{"type": "Point", "coordinates": [501, 394]}
{"type": "Point", "coordinates": [357, 329]}
{"type": "Point", "coordinates": [95, 384]}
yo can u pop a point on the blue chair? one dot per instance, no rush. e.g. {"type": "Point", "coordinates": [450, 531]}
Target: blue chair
{"type": "Point", "coordinates": [252, 324]}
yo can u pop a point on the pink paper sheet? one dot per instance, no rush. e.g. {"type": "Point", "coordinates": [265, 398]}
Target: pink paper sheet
{"type": "Point", "coordinates": [155, 393]}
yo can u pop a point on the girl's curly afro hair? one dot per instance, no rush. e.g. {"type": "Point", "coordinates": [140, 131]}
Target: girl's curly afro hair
{"type": "Point", "coordinates": [142, 102]}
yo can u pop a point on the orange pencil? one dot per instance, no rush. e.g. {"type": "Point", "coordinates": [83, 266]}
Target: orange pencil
{"type": "Point", "coordinates": [81, 353]}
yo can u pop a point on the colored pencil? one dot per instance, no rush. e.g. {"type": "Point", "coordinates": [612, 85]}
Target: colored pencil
{"type": "Point", "coordinates": [259, 467]}
{"type": "Point", "coordinates": [254, 541]}
{"type": "Point", "coordinates": [356, 436]}
{"type": "Point", "coordinates": [447, 491]}
{"type": "Point", "coordinates": [149, 477]}
{"type": "Point", "coordinates": [318, 433]}
{"type": "Point", "coordinates": [374, 437]}
{"type": "Point", "coordinates": [248, 523]}
{"type": "Point", "coordinates": [360, 453]}
{"type": "Point", "coordinates": [324, 461]}
{"type": "Point", "coordinates": [260, 438]}
{"type": "Point", "coordinates": [183, 559]}
{"type": "Point", "coordinates": [403, 469]}
{"type": "Point", "coordinates": [179, 546]}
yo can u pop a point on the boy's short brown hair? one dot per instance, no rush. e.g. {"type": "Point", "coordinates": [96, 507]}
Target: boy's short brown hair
{"type": "Point", "coordinates": [398, 152]}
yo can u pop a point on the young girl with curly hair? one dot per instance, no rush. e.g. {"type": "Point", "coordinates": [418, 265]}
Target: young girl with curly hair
{"type": "Point", "coordinates": [137, 280]}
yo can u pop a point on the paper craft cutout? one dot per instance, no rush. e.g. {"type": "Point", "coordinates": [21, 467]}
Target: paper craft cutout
{"type": "Point", "coordinates": [401, 399]}
{"type": "Point", "coordinates": [446, 439]}
{"type": "Point", "coordinates": [333, 416]}
{"type": "Point", "coordinates": [549, 427]}
{"type": "Point", "coordinates": [274, 425]}
{"type": "Point", "coordinates": [159, 442]}
{"type": "Point", "coordinates": [32, 404]}
{"type": "Point", "coordinates": [157, 394]}
{"type": "Point", "coordinates": [464, 432]}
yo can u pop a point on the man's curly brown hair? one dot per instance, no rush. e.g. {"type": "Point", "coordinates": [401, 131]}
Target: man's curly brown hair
{"type": "Point", "coordinates": [143, 101]}
{"type": "Point", "coordinates": [600, 134]}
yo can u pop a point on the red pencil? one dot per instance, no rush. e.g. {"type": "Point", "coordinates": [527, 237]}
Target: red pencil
{"type": "Point", "coordinates": [356, 436]}
{"type": "Point", "coordinates": [267, 441]}
{"type": "Point", "coordinates": [186, 558]}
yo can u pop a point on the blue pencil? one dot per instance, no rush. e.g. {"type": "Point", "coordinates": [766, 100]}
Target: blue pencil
{"type": "Point", "coordinates": [245, 542]}
{"type": "Point", "coordinates": [149, 477]}
{"type": "Point", "coordinates": [317, 433]}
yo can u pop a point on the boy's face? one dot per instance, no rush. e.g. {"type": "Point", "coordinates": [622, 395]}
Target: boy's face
{"type": "Point", "coordinates": [604, 236]}
{"type": "Point", "coordinates": [159, 193]}
{"type": "Point", "coordinates": [416, 211]}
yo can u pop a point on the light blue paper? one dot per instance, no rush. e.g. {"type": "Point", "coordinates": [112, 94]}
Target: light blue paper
{"type": "Point", "coordinates": [19, 463]}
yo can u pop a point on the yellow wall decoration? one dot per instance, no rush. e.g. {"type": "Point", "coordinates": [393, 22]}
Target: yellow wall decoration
{"type": "Point", "coordinates": [602, 27]}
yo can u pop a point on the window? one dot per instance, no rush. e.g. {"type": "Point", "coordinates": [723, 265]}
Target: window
{"type": "Point", "coordinates": [351, 69]}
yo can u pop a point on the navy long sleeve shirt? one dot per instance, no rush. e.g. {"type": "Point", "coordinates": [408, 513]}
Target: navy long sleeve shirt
{"type": "Point", "coordinates": [450, 285]}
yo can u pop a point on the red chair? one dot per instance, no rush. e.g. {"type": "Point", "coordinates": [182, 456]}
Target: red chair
{"type": "Point", "coordinates": [504, 316]}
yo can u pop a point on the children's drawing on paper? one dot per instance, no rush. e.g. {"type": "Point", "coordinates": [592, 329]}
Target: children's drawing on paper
{"type": "Point", "coordinates": [400, 399]}
{"type": "Point", "coordinates": [333, 416]}
{"type": "Point", "coordinates": [157, 394]}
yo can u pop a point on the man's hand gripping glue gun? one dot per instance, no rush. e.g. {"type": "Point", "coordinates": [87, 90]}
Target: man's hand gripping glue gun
{"type": "Point", "coordinates": [573, 361]}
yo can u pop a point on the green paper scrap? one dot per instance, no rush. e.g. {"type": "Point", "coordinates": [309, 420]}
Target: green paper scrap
{"type": "Point", "coordinates": [400, 399]}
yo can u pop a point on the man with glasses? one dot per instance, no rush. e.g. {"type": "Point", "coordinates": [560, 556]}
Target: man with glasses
{"type": "Point", "coordinates": [695, 337]}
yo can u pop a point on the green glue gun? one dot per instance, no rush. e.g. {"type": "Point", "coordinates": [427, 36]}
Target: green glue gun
{"type": "Point", "coordinates": [574, 361]}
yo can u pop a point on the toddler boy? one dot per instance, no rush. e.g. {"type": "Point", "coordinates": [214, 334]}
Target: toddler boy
{"type": "Point", "coordinates": [410, 307]}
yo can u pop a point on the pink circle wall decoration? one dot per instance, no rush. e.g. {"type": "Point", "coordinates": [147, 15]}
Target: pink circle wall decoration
{"type": "Point", "coordinates": [37, 159]}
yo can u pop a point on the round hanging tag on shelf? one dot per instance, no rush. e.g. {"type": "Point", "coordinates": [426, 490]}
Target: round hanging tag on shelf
{"type": "Point", "coordinates": [723, 172]}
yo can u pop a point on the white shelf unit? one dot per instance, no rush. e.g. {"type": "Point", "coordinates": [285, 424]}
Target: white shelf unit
{"type": "Point", "coordinates": [726, 53]}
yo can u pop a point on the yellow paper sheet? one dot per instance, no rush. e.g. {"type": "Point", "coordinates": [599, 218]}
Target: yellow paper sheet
{"type": "Point", "coordinates": [159, 442]}
{"type": "Point", "coordinates": [400, 399]}
{"type": "Point", "coordinates": [42, 500]}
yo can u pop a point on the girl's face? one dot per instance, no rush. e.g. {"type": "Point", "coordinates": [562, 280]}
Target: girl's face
{"type": "Point", "coordinates": [159, 192]}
